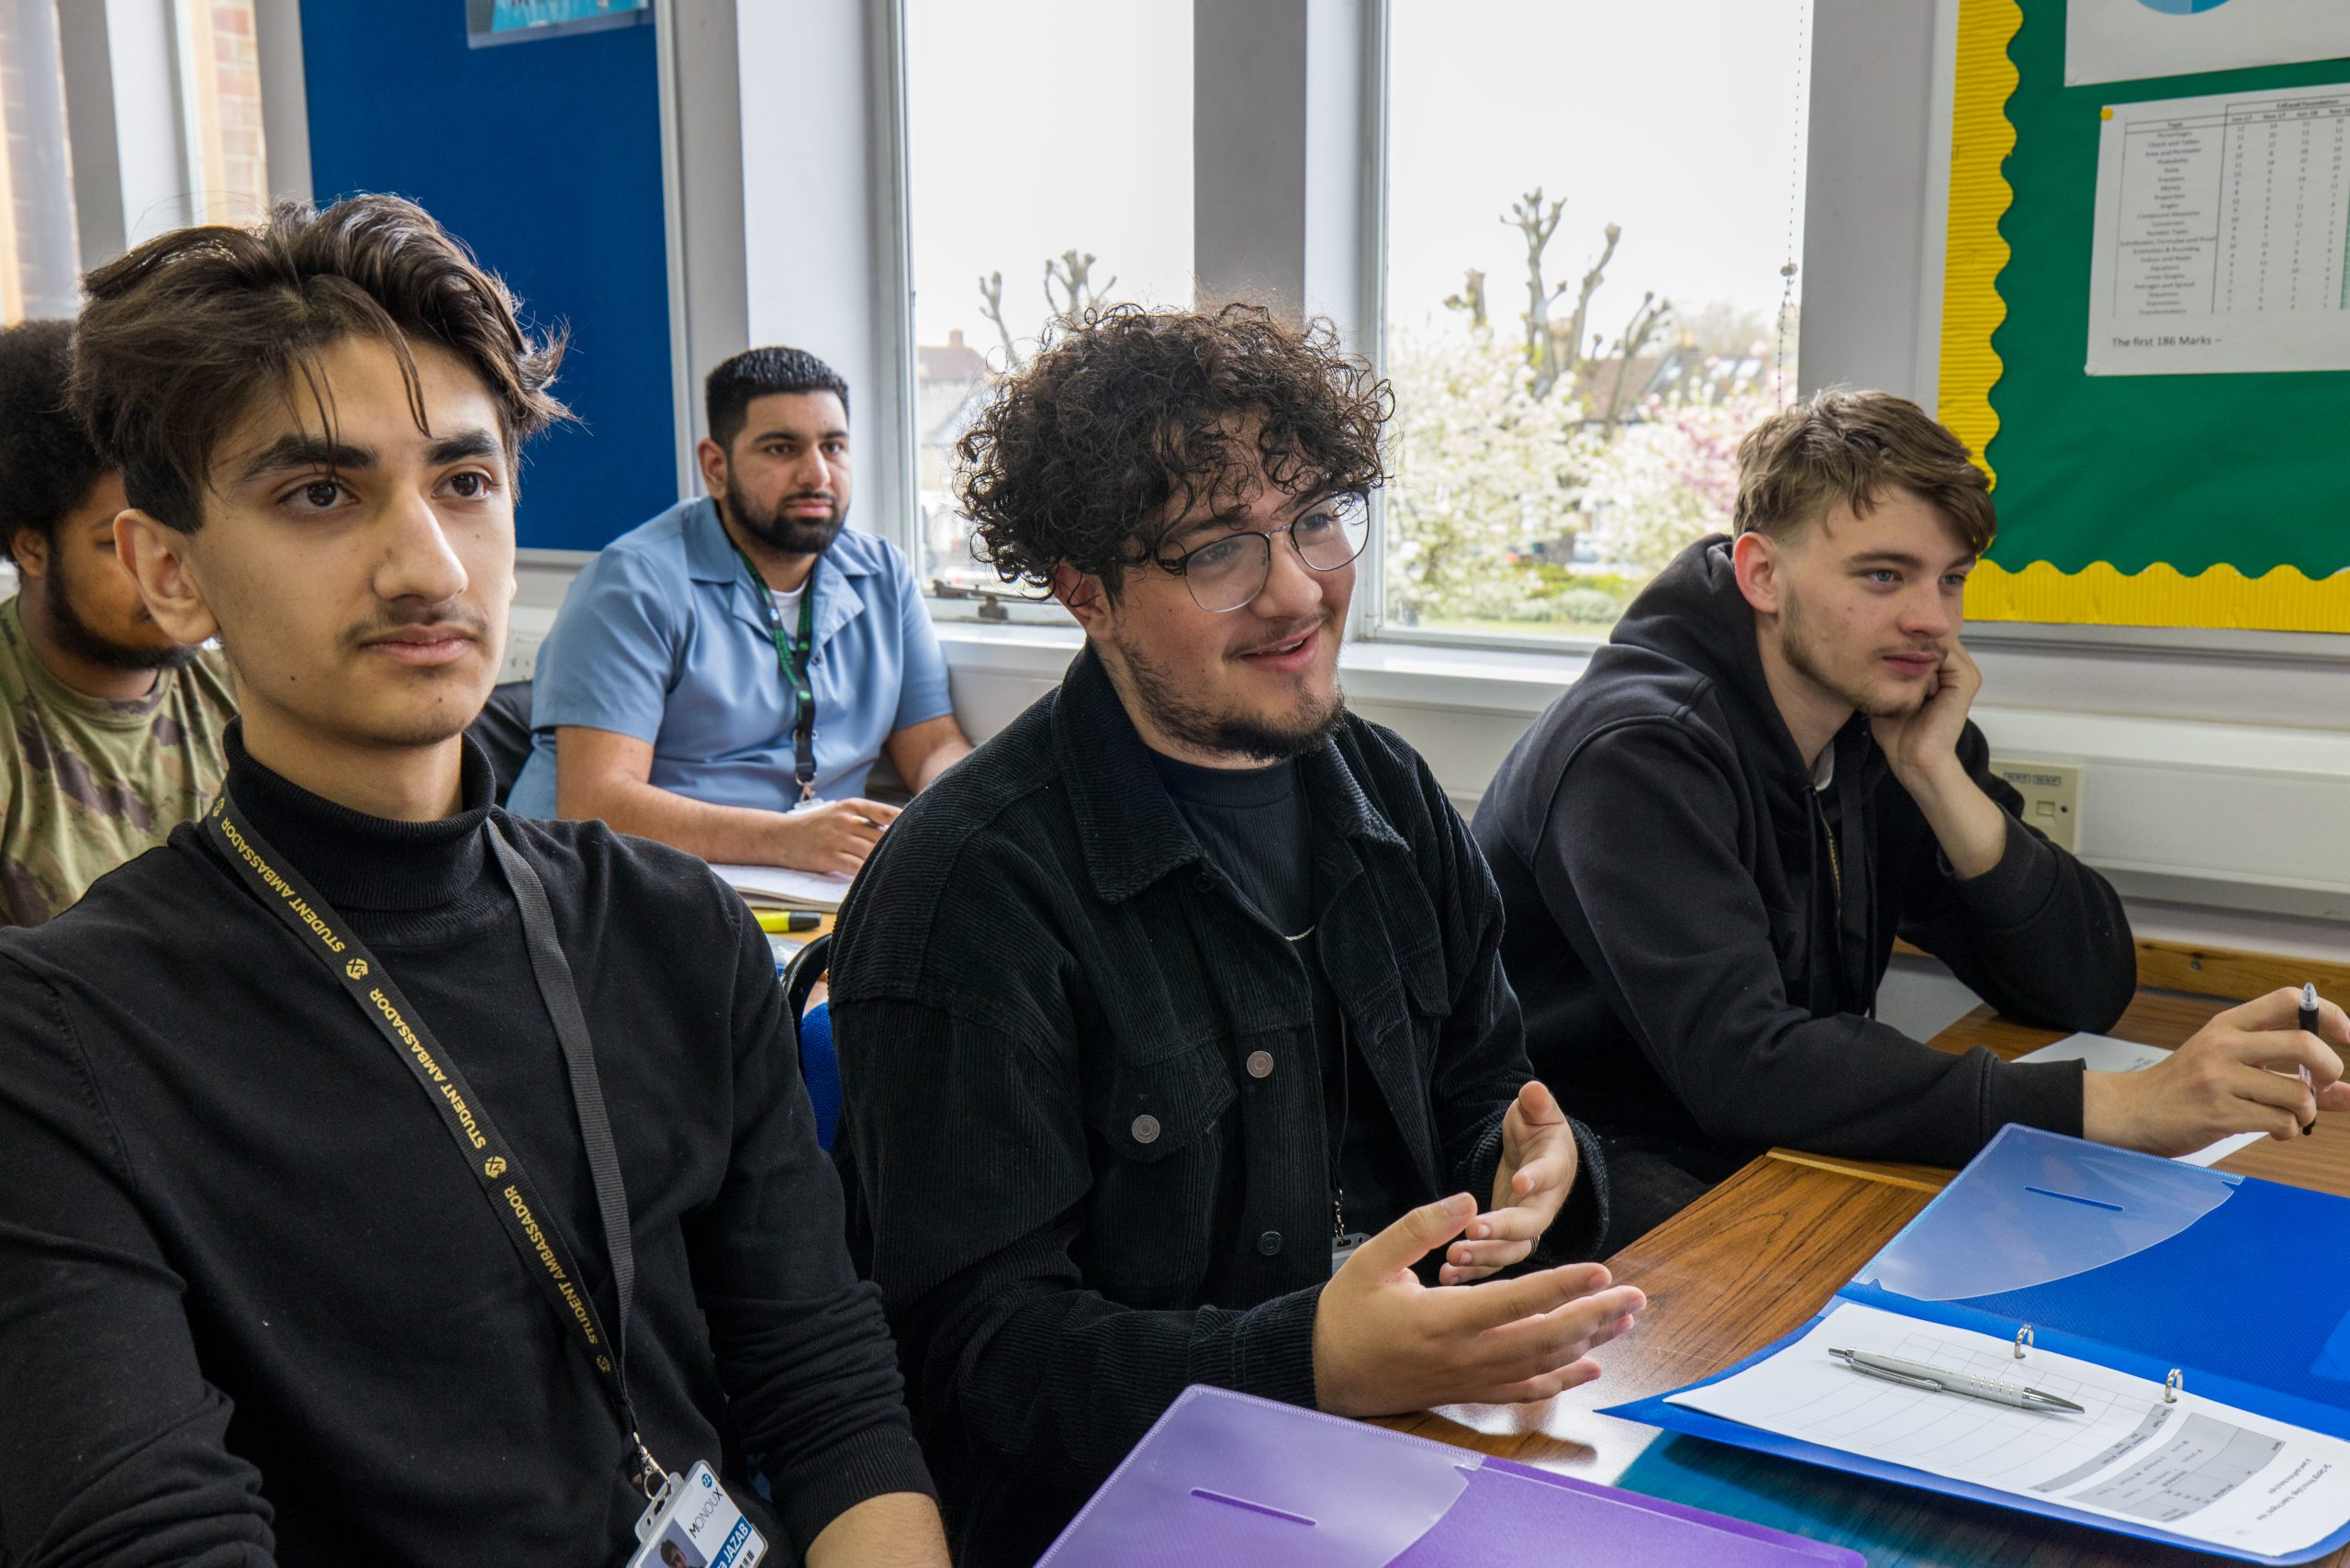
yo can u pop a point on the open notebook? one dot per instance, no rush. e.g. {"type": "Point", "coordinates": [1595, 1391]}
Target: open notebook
{"type": "Point", "coordinates": [2197, 1316]}
{"type": "Point", "coordinates": [773, 886]}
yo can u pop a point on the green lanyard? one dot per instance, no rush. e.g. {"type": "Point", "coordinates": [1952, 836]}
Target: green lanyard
{"type": "Point", "coordinates": [792, 655]}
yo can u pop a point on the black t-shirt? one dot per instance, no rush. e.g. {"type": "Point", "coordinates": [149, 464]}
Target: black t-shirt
{"type": "Point", "coordinates": [1256, 825]}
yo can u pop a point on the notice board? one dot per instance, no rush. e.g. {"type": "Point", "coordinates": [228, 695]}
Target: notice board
{"type": "Point", "coordinates": [2147, 496]}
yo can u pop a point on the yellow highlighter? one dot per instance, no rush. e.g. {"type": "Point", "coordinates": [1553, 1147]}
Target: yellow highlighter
{"type": "Point", "coordinates": [784, 922]}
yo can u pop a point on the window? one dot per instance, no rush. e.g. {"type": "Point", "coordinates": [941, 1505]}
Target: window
{"type": "Point", "coordinates": [220, 103]}
{"type": "Point", "coordinates": [1048, 145]}
{"type": "Point", "coordinates": [40, 255]}
{"type": "Point", "coordinates": [1589, 204]}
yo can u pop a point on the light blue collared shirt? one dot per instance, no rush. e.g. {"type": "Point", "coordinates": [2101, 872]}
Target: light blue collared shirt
{"type": "Point", "coordinates": [664, 636]}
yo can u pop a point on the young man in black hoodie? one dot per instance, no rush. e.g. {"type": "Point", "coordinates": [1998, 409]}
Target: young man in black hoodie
{"type": "Point", "coordinates": [1708, 847]}
{"type": "Point", "coordinates": [383, 1179]}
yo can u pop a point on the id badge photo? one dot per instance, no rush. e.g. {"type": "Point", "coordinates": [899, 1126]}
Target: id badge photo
{"type": "Point", "coordinates": [692, 1523]}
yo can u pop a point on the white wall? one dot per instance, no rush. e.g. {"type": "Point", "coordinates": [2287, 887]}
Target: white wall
{"type": "Point", "coordinates": [2216, 765]}
{"type": "Point", "coordinates": [822, 168]}
{"type": "Point", "coordinates": [131, 171]}
{"type": "Point", "coordinates": [2216, 787]}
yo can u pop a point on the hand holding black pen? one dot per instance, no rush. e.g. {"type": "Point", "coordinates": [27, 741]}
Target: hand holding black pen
{"type": "Point", "coordinates": [2249, 1070]}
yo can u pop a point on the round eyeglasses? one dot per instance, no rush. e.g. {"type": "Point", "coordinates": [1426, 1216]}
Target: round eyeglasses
{"type": "Point", "coordinates": [1227, 573]}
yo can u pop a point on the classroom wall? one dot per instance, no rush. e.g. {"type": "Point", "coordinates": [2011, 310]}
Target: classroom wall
{"type": "Point", "coordinates": [545, 157]}
{"type": "Point", "coordinates": [2217, 784]}
{"type": "Point", "coordinates": [2216, 765]}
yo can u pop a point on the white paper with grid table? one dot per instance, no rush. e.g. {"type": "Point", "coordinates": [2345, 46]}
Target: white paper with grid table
{"type": "Point", "coordinates": [2223, 236]}
{"type": "Point", "coordinates": [2195, 1467]}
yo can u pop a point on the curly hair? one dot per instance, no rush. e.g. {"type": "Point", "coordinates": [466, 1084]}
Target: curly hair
{"type": "Point", "coordinates": [47, 464]}
{"type": "Point", "coordinates": [1130, 417]}
{"type": "Point", "coordinates": [180, 335]}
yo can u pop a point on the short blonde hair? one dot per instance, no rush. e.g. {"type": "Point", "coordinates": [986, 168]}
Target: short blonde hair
{"type": "Point", "coordinates": [1851, 446]}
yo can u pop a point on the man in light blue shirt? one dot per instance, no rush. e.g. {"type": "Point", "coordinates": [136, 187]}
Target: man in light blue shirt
{"type": "Point", "coordinates": [723, 677]}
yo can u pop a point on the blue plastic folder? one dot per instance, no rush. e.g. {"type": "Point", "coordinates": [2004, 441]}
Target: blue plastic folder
{"type": "Point", "coordinates": [1239, 1481]}
{"type": "Point", "coordinates": [2136, 1263]}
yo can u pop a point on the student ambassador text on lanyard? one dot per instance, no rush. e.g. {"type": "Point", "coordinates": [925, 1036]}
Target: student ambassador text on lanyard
{"type": "Point", "coordinates": [792, 655]}
{"type": "Point", "coordinates": [529, 1224]}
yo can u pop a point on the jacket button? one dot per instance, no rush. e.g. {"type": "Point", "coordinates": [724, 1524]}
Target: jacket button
{"type": "Point", "coordinates": [1269, 1243]}
{"type": "Point", "coordinates": [1146, 1129]}
{"type": "Point", "coordinates": [1261, 1064]}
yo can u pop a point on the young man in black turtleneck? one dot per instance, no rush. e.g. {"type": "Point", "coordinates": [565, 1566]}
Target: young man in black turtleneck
{"type": "Point", "coordinates": [1709, 844]}
{"type": "Point", "coordinates": [326, 1258]}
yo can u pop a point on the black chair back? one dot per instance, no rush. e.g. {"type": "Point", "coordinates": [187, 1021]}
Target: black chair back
{"type": "Point", "coordinates": [800, 973]}
{"type": "Point", "coordinates": [503, 730]}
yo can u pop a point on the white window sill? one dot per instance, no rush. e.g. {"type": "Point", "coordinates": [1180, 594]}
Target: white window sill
{"type": "Point", "coordinates": [2266, 801]}
{"type": "Point", "coordinates": [1516, 683]}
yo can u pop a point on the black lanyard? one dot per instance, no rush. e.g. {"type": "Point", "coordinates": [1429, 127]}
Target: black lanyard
{"type": "Point", "coordinates": [792, 653]}
{"type": "Point", "coordinates": [529, 1224]}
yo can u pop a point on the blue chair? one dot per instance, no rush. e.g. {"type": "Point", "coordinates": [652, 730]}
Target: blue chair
{"type": "Point", "coordinates": [819, 1068]}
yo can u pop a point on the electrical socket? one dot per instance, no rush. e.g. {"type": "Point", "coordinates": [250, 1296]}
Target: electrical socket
{"type": "Point", "coordinates": [2052, 796]}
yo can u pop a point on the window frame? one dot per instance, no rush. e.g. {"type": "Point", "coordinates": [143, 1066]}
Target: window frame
{"type": "Point", "coordinates": [1361, 124]}
{"type": "Point", "coordinates": [1377, 624]}
{"type": "Point", "coordinates": [1372, 623]}
{"type": "Point", "coordinates": [53, 197]}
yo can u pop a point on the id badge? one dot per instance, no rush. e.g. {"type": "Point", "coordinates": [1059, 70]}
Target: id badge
{"type": "Point", "coordinates": [692, 1523]}
{"type": "Point", "coordinates": [1343, 1248]}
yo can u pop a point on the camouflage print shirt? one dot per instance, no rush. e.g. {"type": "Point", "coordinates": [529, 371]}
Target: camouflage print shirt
{"type": "Point", "coordinates": [86, 784]}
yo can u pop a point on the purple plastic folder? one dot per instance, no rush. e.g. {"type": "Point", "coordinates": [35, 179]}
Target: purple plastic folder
{"type": "Point", "coordinates": [1237, 1480]}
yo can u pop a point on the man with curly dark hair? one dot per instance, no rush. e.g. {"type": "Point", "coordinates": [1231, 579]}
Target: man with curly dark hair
{"type": "Point", "coordinates": [113, 730]}
{"type": "Point", "coordinates": [1170, 1018]}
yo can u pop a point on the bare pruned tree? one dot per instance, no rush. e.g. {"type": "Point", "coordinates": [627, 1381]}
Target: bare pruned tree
{"type": "Point", "coordinates": [1538, 226]}
{"type": "Point", "coordinates": [1554, 354]}
{"type": "Point", "coordinates": [1471, 298]}
{"type": "Point", "coordinates": [1567, 351]}
{"type": "Point", "coordinates": [1068, 289]}
{"type": "Point", "coordinates": [1580, 322]}
{"type": "Point", "coordinates": [1653, 314]}
{"type": "Point", "coordinates": [992, 306]}
{"type": "Point", "coordinates": [1073, 273]}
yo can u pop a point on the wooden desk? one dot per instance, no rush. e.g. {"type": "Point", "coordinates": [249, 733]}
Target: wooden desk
{"type": "Point", "coordinates": [2156, 1018]}
{"type": "Point", "coordinates": [1751, 1262]}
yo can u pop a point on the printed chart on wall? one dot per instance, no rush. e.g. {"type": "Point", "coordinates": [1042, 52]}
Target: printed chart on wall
{"type": "Point", "coordinates": [2222, 235]}
{"type": "Point", "coordinates": [2146, 308]}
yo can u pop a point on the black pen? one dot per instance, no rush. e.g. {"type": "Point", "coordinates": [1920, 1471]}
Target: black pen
{"type": "Point", "coordinates": [2309, 1026]}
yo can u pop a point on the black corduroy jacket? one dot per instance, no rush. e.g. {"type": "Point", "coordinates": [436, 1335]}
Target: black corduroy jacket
{"type": "Point", "coordinates": [1082, 1116]}
{"type": "Point", "coordinates": [1699, 945]}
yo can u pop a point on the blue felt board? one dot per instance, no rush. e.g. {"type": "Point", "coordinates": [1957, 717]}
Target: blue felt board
{"type": "Point", "coordinates": [546, 159]}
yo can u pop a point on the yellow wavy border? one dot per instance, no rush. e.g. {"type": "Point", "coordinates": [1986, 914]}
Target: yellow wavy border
{"type": "Point", "coordinates": [2282, 601]}
{"type": "Point", "coordinates": [1980, 141]}
{"type": "Point", "coordinates": [1981, 138]}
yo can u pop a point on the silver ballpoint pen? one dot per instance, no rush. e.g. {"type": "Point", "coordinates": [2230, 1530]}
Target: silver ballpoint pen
{"type": "Point", "coordinates": [1916, 1375]}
